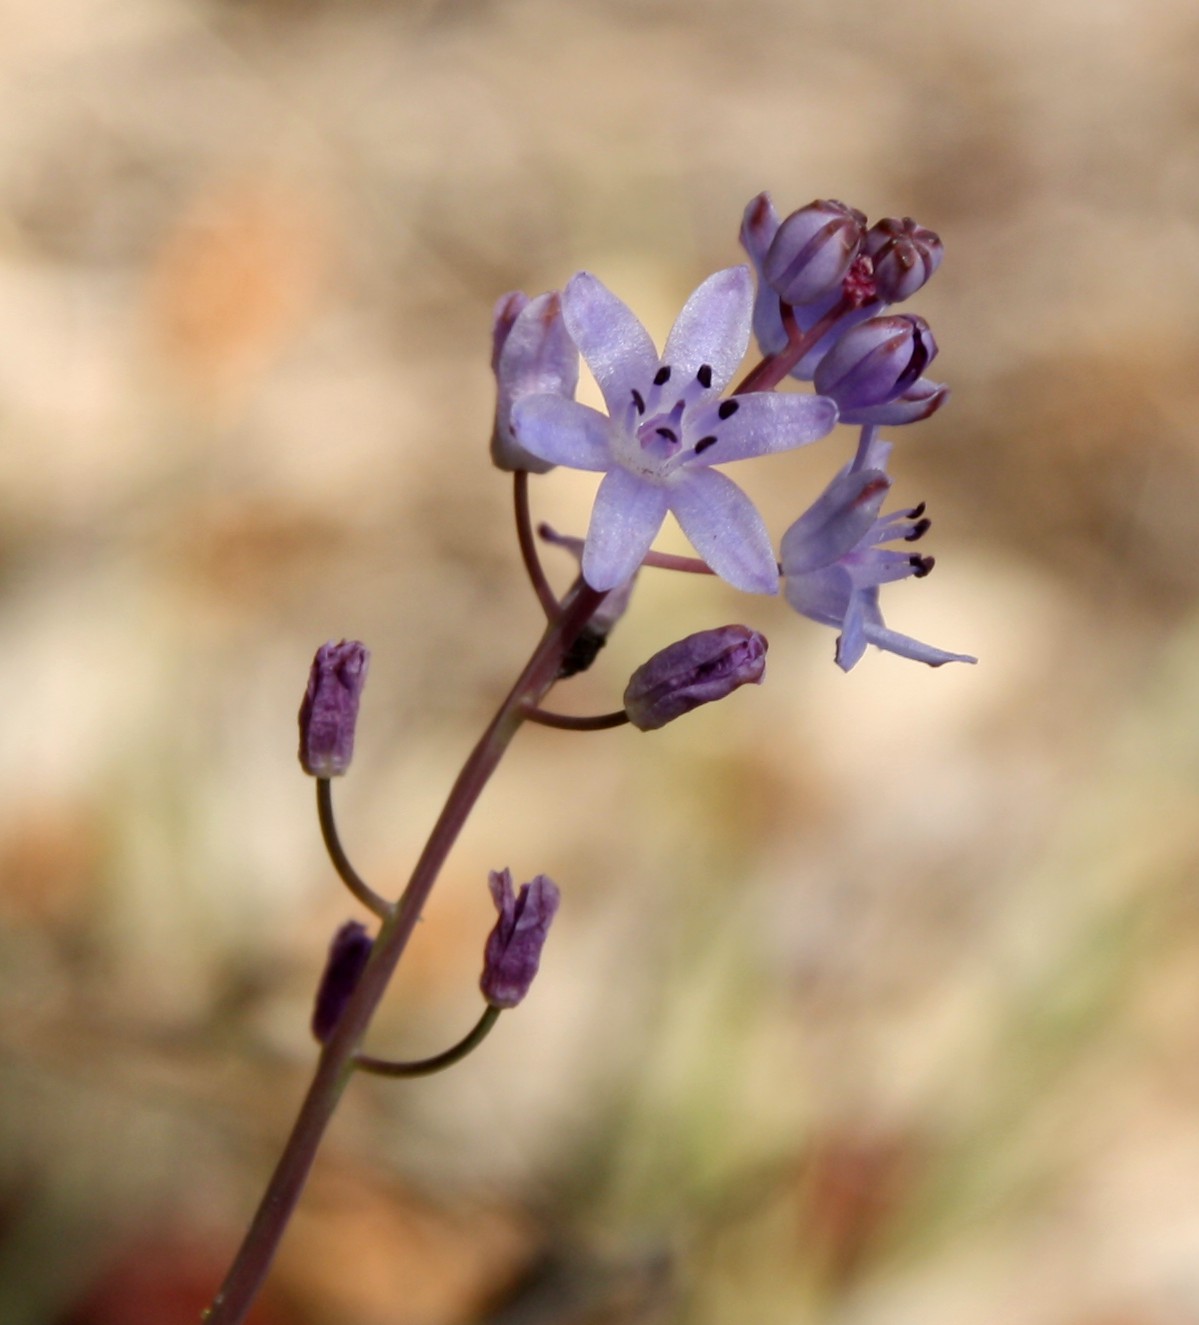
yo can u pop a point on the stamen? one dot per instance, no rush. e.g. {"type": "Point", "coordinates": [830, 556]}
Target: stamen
{"type": "Point", "coordinates": [727, 409]}
{"type": "Point", "coordinates": [919, 529]}
{"type": "Point", "coordinates": [669, 434]}
{"type": "Point", "coordinates": [662, 376]}
{"type": "Point", "coordinates": [921, 566]}
{"type": "Point", "coordinates": [704, 376]}
{"type": "Point", "coordinates": [702, 445]}
{"type": "Point", "coordinates": [917, 510]}
{"type": "Point", "coordinates": [638, 401]}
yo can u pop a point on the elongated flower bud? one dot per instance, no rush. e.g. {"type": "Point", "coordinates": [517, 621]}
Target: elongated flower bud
{"type": "Point", "coordinates": [349, 952]}
{"type": "Point", "coordinates": [813, 249]}
{"type": "Point", "coordinates": [904, 254]}
{"type": "Point", "coordinates": [875, 361]}
{"type": "Point", "coordinates": [513, 951]}
{"type": "Point", "coordinates": [697, 670]}
{"type": "Point", "coordinates": [329, 711]}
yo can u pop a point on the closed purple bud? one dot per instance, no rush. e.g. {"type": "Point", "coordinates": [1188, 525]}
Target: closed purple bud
{"type": "Point", "coordinates": [513, 951]}
{"type": "Point", "coordinates": [329, 710]}
{"type": "Point", "coordinates": [697, 670]}
{"type": "Point", "coordinates": [349, 952]}
{"type": "Point", "coordinates": [875, 361]}
{"type": "Point", "coordinates": [905, 255]}
{"type": "Point", "coordinates": [532, 354]}
{"type": "Point", "coordinates": [813, 250]}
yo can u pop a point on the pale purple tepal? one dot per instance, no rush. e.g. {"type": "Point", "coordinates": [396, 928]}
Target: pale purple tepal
{"type": "Point", "coordinates": [666, 427]}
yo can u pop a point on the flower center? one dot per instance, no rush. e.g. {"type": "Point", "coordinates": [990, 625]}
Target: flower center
{"type": "Point", "coordinates": [656, 431]}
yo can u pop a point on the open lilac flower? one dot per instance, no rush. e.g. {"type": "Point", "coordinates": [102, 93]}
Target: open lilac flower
{"type": "Point", "coordinates": [666, 426]}
{"type": "Point", "coordinates": [834, 561]}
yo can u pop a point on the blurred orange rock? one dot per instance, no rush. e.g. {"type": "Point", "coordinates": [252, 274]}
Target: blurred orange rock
{"type": "Point", "coordinates": [234, 280]}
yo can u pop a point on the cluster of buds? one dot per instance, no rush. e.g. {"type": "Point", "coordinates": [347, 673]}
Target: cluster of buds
{"type": "Point", "coordinates": [825, 271]}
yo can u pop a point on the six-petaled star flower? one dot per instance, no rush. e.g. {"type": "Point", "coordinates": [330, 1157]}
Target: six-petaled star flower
{"type": "Point", "coordinates": [666, 426]}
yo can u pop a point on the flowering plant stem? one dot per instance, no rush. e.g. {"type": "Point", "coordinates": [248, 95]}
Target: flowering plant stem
{"type": "Point", "coordinates": [337, 1061]}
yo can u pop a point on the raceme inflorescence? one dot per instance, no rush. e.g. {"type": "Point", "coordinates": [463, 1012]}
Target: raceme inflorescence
{"type": "Point", "coordinates": [818, 301]}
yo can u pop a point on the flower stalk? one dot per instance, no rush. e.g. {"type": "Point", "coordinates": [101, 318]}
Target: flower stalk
{"type": "Point", "coordinates": [337, 1060]}
{"type": "Point", "coordinates": [818, 313]}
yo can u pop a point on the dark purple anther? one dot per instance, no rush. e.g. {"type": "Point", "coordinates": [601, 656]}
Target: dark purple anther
{"type": "Point", "coordinates": [697, 670]}
{"type": "Point", "coordinates": [905, 255]}
{"type": "Point", "coordinates": [349, 952]}
{"type": "Point", "coordinates": [813, 250]}
{"type": "Point", "coordinates": [513, 951]}
{"type": "Point", "coordinates": [875, 362]}
{"type": "Point", "coordinates": [329, 710]}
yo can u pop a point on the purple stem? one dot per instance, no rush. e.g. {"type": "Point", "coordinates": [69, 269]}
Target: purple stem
{"type": "Point", "coordinates": [341, 862]}
{"type": "Point", "coordinates": [767, 374]}
{"type": "Point", "coordinates": [528, 546]}
{"type": "Point", "coordinates": [568, 722]}
{"type": "Point", "coordinates": [336, 1064]}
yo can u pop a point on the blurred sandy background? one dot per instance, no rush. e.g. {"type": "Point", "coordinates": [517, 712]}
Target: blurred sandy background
{"type": "Point", "coordinates": [874, 999]}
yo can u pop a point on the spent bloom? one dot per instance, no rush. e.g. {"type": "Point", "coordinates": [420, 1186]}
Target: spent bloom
{"type": "Point", "coordinates": [349, 952]}
{"type": "Point", "coordinates": [835, 558]}
{"type": "Point", "coordinates": [666, 427]}
{"type": "Point", "coordinates": [594, 635]}
{"type": "Point", "coordinates": [513, 951]}
{"type": "Point", "coordinates": [697, 670]}
{"type": "Point", "coordinates": [329, 710]}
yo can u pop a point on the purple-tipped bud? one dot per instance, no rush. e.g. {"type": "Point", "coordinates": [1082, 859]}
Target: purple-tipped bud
{"type": "Point", "coordinates": [697, 670]}
{"type": "Point", "coordinates": [513, 951]}
{"type": "Point", "coordinates": [875, 361]}
{"type": "Point", "coordinates": [349, 952]}
{"type": "Point", "coordinates": [813, 250]}
{"type": "Point", "coordinates": [329, 710]}
{"type": "Point", "coordinates": [759, 225]}
{"type": "Point", "coordinates": [532, 354]}
{"type": "Point", "coordinates": [905, 255]}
